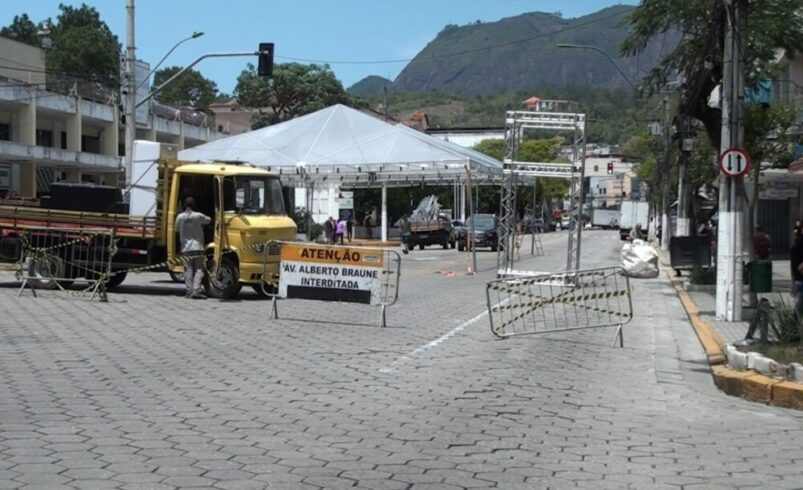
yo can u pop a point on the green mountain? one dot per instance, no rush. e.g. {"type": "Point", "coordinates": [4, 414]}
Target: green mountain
{"type": "Point", "coordinates": [522, 51]}
{"type": "Point", "coordinates": [370, 85]}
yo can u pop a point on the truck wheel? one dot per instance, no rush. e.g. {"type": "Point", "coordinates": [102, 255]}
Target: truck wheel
{"type": "Point", "coordinates": [176, 276]}
{"type": "Point", "coordinates": [44, 270]}
{"type": "Point", "coordinates": [266, 292]}
{"type": "Point", "coordinates": [227, 284]}
{"type": "Point", "coordinates": [420, 246]}
{"type": "Point", "coordinates": [494, 247]}
{"type": "Point", "coordinates": [460, 247]}
{"type": "Point", "coordinates": [452, 244]}
{"type": "Point", "coordinates": [445, 245]}
{"type": "Point", "coordinates": [116, 279]}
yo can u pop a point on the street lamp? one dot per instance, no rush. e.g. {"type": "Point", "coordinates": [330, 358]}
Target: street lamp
{"type": "Point", "coordinates": [194, 35]}
{"type": "Point", "coordinates": [603, 53]}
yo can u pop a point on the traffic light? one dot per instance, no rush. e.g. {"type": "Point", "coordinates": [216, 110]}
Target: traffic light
{"type": "Point", "coordinates": [610, 168]}
{"type": "Point", "coordinates": [265, 66]}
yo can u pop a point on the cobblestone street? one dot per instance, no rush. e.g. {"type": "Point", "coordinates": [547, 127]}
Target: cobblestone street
{"type": "Point", "coordinates": [157, 391]}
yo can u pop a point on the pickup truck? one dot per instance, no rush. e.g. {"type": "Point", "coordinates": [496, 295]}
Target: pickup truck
{"type": "Point", "coordinates": [434, 232]}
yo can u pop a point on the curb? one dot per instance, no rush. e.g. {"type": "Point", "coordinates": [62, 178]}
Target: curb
{"type": "Point", "coordinates": [746, 384]}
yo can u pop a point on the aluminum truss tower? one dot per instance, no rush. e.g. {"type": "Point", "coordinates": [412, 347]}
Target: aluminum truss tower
{"type": "Point", "coordinates": [516, 122]}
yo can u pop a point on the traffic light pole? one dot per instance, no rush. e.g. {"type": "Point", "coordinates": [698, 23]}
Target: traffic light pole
{"type": "Point", "coordinates": [186, 68]}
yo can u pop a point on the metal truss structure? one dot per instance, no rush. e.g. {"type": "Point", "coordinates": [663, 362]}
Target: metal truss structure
{"type": "Point", "coordinates": [516, 122]}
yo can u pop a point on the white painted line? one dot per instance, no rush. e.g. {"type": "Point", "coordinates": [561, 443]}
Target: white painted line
{"type": "Point", "coordinates": [390, 367]}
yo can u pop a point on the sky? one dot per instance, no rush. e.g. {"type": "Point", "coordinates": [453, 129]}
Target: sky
{"type": "Point", "coordinates": [325, 30]}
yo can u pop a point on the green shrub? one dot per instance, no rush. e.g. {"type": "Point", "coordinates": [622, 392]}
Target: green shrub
{"type": "Point", "coordinates": [315, 231]}
{"type": "Point", "coordinates": [785, 321]}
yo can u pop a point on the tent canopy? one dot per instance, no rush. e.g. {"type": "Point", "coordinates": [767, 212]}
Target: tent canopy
{"type": "Point", "coordinates": [343, 145]}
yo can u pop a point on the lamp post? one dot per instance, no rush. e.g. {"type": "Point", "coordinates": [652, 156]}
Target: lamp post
{"type": "Point", "coordinates": [603, 53]}
{"type": "Point", "coordinates": [194, 35]}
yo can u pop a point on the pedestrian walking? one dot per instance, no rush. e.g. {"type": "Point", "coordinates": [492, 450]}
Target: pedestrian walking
{"type": "Point", "coordinates": [762, 245]}
{"type": "Point", "coordinates": [796, 263]}
{"type": "Point", "coordinates": [369, 226]}
{"type": "Point", "coordinates": [350, 228]}
{"type": "Point", "coordinates": [404, 229]}
{"type": "Point", "coordinates": [636, 233]}
{"type": "Point", "coordinates": [340, 230]}
{"type": "Point", "coordinates": [189, 225]}
{"type": "Point", "coordinates": [329, 230]}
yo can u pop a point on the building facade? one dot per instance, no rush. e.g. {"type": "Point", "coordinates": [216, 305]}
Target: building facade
{"type": "Point", "coordinates": [59, 128]}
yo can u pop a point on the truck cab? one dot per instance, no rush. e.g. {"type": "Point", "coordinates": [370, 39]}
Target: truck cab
{"type": "Point", "coordinates": [248, 213]}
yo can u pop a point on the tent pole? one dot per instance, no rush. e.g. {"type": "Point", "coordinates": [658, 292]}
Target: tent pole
{"type": "Point", "coordinates": [384, 211]}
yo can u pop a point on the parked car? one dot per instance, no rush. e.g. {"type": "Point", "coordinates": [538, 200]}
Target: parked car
{"type": "Point", "coordinates": [484, 228]}
{"type": "Point", "coordinates": [457, 226]}
{"type": "Point", "coordinates": [530, 224]}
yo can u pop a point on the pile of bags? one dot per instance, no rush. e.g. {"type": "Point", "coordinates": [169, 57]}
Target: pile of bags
{"type": "Point", "coordinates": [639, 259]}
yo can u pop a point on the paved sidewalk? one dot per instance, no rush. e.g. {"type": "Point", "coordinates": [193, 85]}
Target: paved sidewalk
{"type": "Point", "coordinates": [733, 331]}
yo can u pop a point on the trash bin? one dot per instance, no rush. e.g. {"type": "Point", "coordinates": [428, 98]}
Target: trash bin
{"type": "Point", "coordinates": [760, 272]}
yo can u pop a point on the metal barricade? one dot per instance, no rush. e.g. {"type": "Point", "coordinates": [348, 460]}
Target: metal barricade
{"type": "Point", "coordinates": [388, 289]}
{"type": "Point", "coordinates": [56, 258]}
{"type": "Point", "coordinates": [593, 298]}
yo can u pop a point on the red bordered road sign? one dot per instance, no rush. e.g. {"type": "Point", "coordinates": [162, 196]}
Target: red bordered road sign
{"type": "Point", "coordinates": [734, 162]}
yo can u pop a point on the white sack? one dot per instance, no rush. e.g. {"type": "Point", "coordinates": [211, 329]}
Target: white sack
{"type": "Point", "coordinates": [639, 259]}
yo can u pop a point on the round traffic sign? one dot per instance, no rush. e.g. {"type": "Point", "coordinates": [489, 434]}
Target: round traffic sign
{"type": "Point", "coordinates": [734, 162]}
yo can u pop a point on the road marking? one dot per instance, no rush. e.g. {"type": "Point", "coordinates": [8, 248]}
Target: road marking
{"type": "Point", "coordinates": [443, 338]}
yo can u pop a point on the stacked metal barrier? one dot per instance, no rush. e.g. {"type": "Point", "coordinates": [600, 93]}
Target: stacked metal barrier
{"type": "Point", "coordinates": [544, 303]}
{"type": "Point", "coordinates": [56, 258]}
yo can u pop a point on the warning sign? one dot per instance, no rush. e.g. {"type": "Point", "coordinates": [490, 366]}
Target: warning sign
{"type": "Point", "coordinates": [327, 273]}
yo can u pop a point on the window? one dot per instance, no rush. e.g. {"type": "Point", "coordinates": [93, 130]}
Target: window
{"type": "Point", "coordinates": [5, 132]}
{"type": "Point", "coordinates": [251, 194]}
{"type": "Point", "coordinates": [44, 138]}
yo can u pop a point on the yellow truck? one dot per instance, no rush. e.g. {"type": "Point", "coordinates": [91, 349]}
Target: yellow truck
{"type": "Point", "coordinates": [245, 203]}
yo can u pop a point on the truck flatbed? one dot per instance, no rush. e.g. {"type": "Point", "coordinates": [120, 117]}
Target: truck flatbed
{"type": "Point", "coordinates": [123, 225]}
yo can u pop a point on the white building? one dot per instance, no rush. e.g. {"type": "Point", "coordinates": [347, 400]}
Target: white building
{"type": "Point", "coordinates": [60, 128]}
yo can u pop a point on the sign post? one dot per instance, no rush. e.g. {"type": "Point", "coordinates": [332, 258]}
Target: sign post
{"type": "Point", "coordinates": [734, 162]}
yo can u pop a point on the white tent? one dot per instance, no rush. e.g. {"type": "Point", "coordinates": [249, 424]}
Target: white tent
{"type": "Point", "coordinates": [343, 146]}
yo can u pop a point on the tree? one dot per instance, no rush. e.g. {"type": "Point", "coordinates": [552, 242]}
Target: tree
{"type": "Point", "coordinates": [21, 29]}
{"type": "Point", "coordinates": [84, 45]}
{"type": "Point", "coordinates": [297, 90]}
{"type": "Point", "coordinates": [189, 89]}
{"type": "Point", "coordinates": [772, 25]}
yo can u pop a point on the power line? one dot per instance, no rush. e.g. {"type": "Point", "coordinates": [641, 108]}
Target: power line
{"type": "Point", "coordinates": [459, 53]}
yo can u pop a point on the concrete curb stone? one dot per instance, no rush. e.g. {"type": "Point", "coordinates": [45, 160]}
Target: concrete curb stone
{"type": "Point", "coordinates": [748, 384]}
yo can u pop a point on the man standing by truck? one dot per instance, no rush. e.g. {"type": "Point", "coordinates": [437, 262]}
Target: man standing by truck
{"type": "Point", "coordinates": [404, 230]}
{"type": "Point", "coordinates": [189, 225]}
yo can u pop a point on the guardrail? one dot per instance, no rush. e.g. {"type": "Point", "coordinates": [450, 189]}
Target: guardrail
{"type": "Point", "coordinates": [56, 258]}
{"type": "Point", "coordinates": [544, 303]}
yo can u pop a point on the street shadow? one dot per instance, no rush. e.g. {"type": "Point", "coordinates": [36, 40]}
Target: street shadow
{"type": "Point", "coordinates": [329, 322]}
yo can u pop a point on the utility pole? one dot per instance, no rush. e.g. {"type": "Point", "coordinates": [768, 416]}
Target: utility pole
{"type": "Point", "coordinates": [730, 227]}
{"type": "Point", "coordinates": [665, 179]}
{"type": "Point", "coordinates": [685, 142]}
{"type": "Point", "coordinates": [130, 93]}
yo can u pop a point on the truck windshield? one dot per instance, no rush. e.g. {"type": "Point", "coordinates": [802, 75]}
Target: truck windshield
{"type": "Point", "coordinates": [252, 194]}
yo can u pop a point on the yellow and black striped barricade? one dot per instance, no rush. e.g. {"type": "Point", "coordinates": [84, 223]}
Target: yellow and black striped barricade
{"type": "Point", "coordinates": [335, 273]}
{"type": "Point", "coordinates": [56, 258]}
{"type": "Point", "coordinates": [594, 298]}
